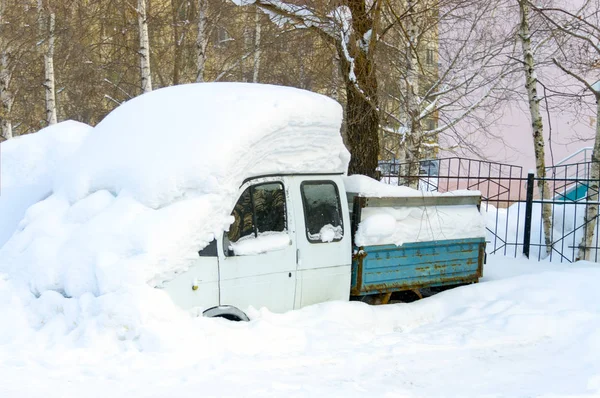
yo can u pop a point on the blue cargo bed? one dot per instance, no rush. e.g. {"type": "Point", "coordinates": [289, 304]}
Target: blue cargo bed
{"type": "Point", "coordinates": [390, 268]}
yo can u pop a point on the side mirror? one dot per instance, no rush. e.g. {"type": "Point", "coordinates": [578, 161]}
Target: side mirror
{"type": "Point", "coordinates": [226, 248]}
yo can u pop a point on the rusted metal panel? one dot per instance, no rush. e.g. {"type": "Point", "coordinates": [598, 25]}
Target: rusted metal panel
{"type": "Point", "coordinates": [388, 268]}
{"type": "Point", "coordinates": [446, 200]}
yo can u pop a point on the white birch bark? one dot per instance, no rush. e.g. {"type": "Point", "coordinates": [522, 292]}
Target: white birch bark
{"type": "Point", "coordinates": [144, 47]}
{"type": "Point", "coordinates": [531, 83]}
{"type": "Point", "coordinates": [49, 84]}
{"type": "Point", "coordinates": [6, 96]}
{"type": "Point", "coordinates": [413, 136]}
{"type": "Point", "coordinates": [591, 210]}
{"type": "Point", "coordinates": [257, 50]}
{"type": "Point", "coordinates": [201, 40]}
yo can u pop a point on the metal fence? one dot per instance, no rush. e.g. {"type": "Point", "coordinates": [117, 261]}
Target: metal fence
{"type": "Point", "coordinates": [514, 201]}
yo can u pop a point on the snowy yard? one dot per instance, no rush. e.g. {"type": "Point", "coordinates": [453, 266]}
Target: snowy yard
{"type": "Point", "coordinates": [529, 329]}
{"type": "Point", "coordinates": [83, 241]}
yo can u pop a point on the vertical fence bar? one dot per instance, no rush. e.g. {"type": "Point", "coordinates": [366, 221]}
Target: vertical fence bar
{"type": "Point", "coordinates": [528, 211]}
{"type": "Point", "coordinates": [518, 202]}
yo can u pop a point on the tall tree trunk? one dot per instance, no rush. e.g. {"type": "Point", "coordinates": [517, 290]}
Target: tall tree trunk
{"type": "Point", "coordinates": [146, 74]}
{"type": "Point", "coordinates": [591, 210]}
{"type": "Point", "coordinates": [201, 40]}
{"type": "Point", "coordinates": [49, 84]}
{"type": "Point", "coordinates": [6, 97]}
{"type": "Point", "coordinates": [6, 94]}
{"type": "Point", "coordinates": [536, 120]}
{"type": "Point", "coordinates": [46, 32]}
{"type": "Point", "coordinates": [414, 136]}
{"type": "Point", "coordinates": [362, 115]}
{"type": "Point", "coordinates": [177, 43]}
{"type": "Point", "coordinates": [257, 51]}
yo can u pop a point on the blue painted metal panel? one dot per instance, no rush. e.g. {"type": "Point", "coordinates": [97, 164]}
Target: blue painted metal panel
{"type": "Point", "coordinates": [388, 268]}
{"type": "Point", "coordinates": [574, 194]}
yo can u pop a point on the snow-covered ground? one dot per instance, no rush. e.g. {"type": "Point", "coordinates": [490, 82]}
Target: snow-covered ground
{"type": "Point", "coordinates": [528, 329]}
{"type": "Point", "coordinates": [83, 233]}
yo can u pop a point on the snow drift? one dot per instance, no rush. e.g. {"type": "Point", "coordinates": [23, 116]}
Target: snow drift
{"type": "Point", "coordinates": [27, 167]}
{"type": "Point", "coordinates": [516, 335]}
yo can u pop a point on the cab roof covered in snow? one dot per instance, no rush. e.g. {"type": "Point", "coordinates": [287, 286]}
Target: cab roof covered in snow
{"type": "Point", "coordinates": [195, 137]}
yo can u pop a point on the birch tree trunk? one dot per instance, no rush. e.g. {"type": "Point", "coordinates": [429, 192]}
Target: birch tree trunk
{"type": "Point", "coordinates": [6, 96]}
{"type": "Point", "coordinates": [201, 40]}
{"type": "Point", "coordinates": [49, 83]}
{"type": "Point", "coordinates": [257, 51]}
{"type": "Point", "coordinates": [144, 47]}
{"type": "Point", "coordinates": [531, 82]}
{"type": "Point", "coordinates": [591, 210]}
{"type": "Point", "coordinates": [47, 38]}
{"type": "Point", "coordinates": [414, 135]}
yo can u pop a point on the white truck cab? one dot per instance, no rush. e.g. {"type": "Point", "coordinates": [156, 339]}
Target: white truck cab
{"type": "Point", "coordinates": [289, 246]}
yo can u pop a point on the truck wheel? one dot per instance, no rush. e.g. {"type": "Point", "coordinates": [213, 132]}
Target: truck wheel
{"type": "Point", "coordinates": [228, 312]}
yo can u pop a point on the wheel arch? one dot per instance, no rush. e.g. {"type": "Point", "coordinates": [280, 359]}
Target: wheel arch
{"type": "Point", "coordinates": [228, 312]}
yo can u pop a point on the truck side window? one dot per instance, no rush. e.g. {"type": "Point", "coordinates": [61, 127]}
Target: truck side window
{"type": "Point", "coordinates": [269, 207]}
{"type": "Point", "coordinates": [322, 211]}
{"type": "Point", "coordinates": [260, 211]}
{"type": "Point", "coordinates": [244, 217]}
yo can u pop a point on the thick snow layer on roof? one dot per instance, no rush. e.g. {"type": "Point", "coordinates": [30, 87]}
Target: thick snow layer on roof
{"type": "Point", "coordinates": [207, 138]}
{"type": "Point", "coordinates": [157, 179]}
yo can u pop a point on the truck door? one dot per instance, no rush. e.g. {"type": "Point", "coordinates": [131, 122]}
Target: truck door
{"type": "Point", "coordinates": [258, 263]}
{"type": "Point", "coordinates": [323, 240]}
{"type": "Point", "coordinates": [199, 285]}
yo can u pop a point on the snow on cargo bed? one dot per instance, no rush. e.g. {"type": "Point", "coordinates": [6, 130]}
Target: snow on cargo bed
{"type": "Point", "coordinates": [156, 180]}
{"type": "Point", "coordinates": [402, 224]}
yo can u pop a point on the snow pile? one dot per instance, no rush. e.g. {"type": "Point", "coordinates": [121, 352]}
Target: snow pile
{"type": "Point", "coordinates": [264, 242]}
{"type": "Point", "coordinates": [204, 138]}
{"type": "Point", "coordinates": [399, 225]}
{"type": "Point", "coordinates": [369, 187]}
{"type": "Point", "coordinates": [156, 180]}
{"type": "Point", "coordinates": [515, 334]}
{"type": "Point", "coordinates": [402, 224]}
{"type": "Point", "coordinates": [27, 167]}
{"type": "Point", "coordinates": [327, 233]}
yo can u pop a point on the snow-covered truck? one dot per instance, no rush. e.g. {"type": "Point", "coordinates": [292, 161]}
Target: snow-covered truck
{"type": "Point", "coordinates": [304, 232]}
{"type": "Point", "coordinates": [297, 241]}
{"type": "Point", "coordinates": [226, 196]}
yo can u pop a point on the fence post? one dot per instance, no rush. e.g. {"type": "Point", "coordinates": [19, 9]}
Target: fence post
{"type": "Point", "coordinates": [528, 211]}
